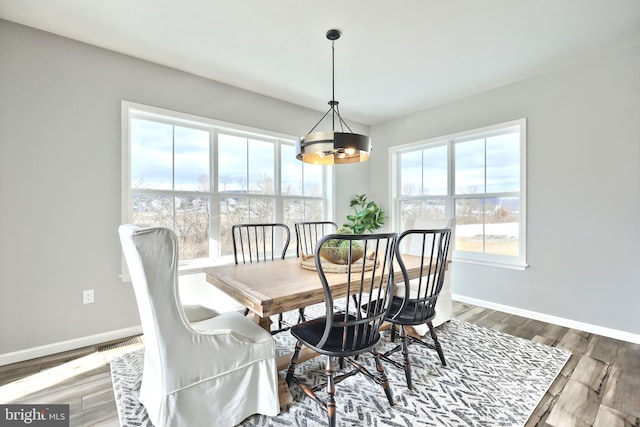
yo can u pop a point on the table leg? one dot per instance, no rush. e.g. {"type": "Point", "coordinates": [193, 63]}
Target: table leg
{"type": "Point", "coordinates": [305, 354]}
{"type": "Point", "coordinates": [263, 322]}
{"type": "Point", "coordinates": [284, 395]}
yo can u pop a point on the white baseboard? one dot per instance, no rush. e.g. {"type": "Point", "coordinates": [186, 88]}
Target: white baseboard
{"type": "Point", "coordinates": [59, 347]}
{"type": "Point", "coordinates": [568, 323]}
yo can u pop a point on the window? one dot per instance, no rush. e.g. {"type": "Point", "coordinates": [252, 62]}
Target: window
{"type": "Point", "coordinates": [478, 177]}
{"type": "Point", "coordinates": [199, 177]}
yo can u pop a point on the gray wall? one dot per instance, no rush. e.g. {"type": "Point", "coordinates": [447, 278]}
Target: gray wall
{"type": "Point", "coordinates": [583, 177]}
{"type": "Point", "coordinates": [60, 178]}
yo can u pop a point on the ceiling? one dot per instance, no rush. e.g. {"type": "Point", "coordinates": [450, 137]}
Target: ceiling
{"type": "Point", "coordinates": [393, 58]}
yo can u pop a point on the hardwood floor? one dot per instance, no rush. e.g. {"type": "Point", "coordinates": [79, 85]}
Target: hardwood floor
{"type": "Point", "coordinates": [599, 386]}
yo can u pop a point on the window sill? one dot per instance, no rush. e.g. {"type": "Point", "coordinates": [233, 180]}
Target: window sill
{"type": "Point", "coordinates": [189, 267]}
{"type": "Point", "coordinates": [511, 266]}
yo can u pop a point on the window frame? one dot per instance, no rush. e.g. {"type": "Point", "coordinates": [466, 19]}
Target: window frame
{"type": "Point", "coordinates": [505, 261]}
{"type": "Point", "coordinates": [131, 110]}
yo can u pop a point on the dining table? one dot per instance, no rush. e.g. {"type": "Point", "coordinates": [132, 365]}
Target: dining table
{"type": "Point", "coordinates": [274, 287]}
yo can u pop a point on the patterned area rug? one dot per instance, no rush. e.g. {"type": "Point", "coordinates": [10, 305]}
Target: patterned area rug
{"type": "Point", "coordinates": [491, 379]}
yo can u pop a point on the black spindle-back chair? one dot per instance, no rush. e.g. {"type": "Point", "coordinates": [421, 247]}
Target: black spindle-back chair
{"type": "Point", "coordinates": [345, 333]}
{"type": "Point", "coordinates": [416, 305]}
{"type": "Point", "coordinates": [259, 242]}
{"type": "Point", "coordinates": [308, 233]}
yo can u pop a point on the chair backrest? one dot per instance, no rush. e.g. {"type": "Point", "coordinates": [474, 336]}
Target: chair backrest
{"type": "Point", "coordinates": [309, 232]}
{"type": "Point", "coordinates": [259, 242]}
{"type": "Point", "coordinates": [421, 294]}
{"type": "Point", "coordinates": [152, 260]}
{"type": "Point", "coordinates": [413, 246]}
{"type": "Point", "coordinates": [369, 289]}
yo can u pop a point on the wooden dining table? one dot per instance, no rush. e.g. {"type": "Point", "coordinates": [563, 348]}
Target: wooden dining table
{"type": "Point", "coordinates": [274, 287]}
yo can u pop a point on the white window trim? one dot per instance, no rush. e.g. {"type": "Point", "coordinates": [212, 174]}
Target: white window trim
{"type": "Point", "coordinates": [131, 109]}
{"type": "Point", "coordinates": [492, 260]}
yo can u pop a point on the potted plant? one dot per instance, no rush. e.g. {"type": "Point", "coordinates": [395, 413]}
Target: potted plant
{"type": "Point", "coordinates": [337, 251]}
{"type": "Point", "coordinates": [367, 217]}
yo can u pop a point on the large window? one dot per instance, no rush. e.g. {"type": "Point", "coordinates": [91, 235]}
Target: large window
{"type": "Point", "coordinates": [199, 177]}
{"type": "Point", "coordinates": [476, 177]}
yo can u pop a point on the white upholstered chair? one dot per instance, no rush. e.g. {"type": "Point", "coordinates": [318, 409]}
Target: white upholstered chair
{"type": "Point", "coordinates": [444, 307]}
{"type": "Point", "coordinates": [217, 371]}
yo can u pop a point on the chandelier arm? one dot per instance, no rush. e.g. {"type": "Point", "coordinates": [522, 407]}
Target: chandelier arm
{"type": "Point", "coordinates": [321, 119]}
{"type": "Point", "coordinates": [342, 122]}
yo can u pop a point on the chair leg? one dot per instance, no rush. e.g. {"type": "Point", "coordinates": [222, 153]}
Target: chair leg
{"type": "Point", "coordinates": [292, 365]}
{"type": "Point", "coordinates": [393, 332]}
{"type": "Point", "coordinates": [301, 317]}
{"type": "Point", "coordinates": [330, 403]}
{"type": "Point", "coordinates": [383, 377]}
{"type": "Point", "coordinates": [405, 355]}
{"type": "Point", "coordinates": [436, 343]}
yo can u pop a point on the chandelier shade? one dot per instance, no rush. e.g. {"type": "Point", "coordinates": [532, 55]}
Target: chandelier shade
{"type": "Point", "coordinates": [331, 147]}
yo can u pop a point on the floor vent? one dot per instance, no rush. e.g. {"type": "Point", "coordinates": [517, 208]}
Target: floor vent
{"type": "Point", "coordinates": [118, 344]}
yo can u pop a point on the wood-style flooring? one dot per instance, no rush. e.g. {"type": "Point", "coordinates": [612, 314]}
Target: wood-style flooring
{"type": "Point", "coordinates": [599, 386]}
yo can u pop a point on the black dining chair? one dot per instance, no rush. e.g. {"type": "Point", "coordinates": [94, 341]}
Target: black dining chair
{"type": "Point", "coordinates": [309, 232]}
{"type": "Point", "coordinates": [260, 243]}
{"type": "Point", "coordinates": [346, 333]}
{"type": "Point", "coordinates": [416, 300]}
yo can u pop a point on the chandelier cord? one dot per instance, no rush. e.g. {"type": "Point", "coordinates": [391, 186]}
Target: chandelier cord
{"type": "Point", "coordinates": [333, 86]}
{"type": "Point", "coordinates": [334, 109]}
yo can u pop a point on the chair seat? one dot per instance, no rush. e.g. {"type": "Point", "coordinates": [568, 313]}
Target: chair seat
{"type": "Point", "coordinates": [311, 333]}
{"type": "Point", "coordinates": [425, 313]}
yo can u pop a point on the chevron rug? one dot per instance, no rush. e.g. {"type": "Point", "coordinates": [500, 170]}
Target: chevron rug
{"type": "Point", "coordinates": [491, 379]}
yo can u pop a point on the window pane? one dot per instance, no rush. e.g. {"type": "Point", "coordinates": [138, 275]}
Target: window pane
{"type": "Point", "coordinates": [469, 176]}
{"type": "Point", "coordinates": [241, 211]}
{"type": "Point", "coordinates": [488, 225]}
{"type": "Point", "coordinates": [502, 228]}
{"type": "Point", "coordinates": [262, 210]}
{"type": "Point", "coordinates": [151, 155]}
{"type": "Point", "coordinates": [313, 210]}
{"type": "Point", "coordinates": [232, 211]}
{"type": "Point", "coordinates": [409, 209]}
{"type": "Point", "coordinates": [153, 210]}
{"type": "Point", "coordinates": [411, 173]}
{"type": "Point", "coordinates": [293, 210]}
{"type": "Point", "coordinates": [312, 180]}
{"type": "Point", "coordinates": [291, 171]}
{"type": "Point", "coordinates": [191, 159]}
{"type": "Point", "coordinates": [431, 208]}
{"type": "Point", "coordinates": [296, 210]}
{"type": "Point", "coordinates": [503, 163]}
{"type": "Point", "coordinates": [261, 167]}
{"type": "Point", "coordinates": [469, 225]}
{"type": "Point", "coordinates": [435, 171]}
{"type": "Point", "coordinates": [192, 226]}
{"type": "Point", "coordinates": [232, 163]}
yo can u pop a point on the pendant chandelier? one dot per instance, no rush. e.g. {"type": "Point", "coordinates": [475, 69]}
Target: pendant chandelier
{"type": "Point", "coordinates": [331, 147]}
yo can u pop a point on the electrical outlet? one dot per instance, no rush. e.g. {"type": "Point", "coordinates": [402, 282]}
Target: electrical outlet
{"type": "Point", "coordinates": [87, 296]}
